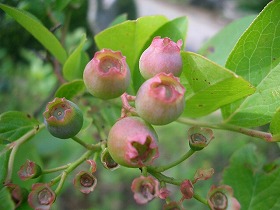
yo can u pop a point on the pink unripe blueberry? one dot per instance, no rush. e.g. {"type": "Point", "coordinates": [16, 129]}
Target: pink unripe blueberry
{"type": "Point", "coordinates": [160, 100]}
{"type": "Point", "coordinates": [63, 118]}
{"type": "Point", "coordinates": [107, 75]}
{"type": "Point", "coordinates": [163, 55]}
{"type": "Point", "coordinates": [132, 142]}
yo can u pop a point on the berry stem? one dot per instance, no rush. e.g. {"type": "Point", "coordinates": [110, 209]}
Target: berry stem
{"type": "Point", "coordinates": [51, 170]}
{"type": "Point", "coordinates": [222, 126]}
{"type": "Point", "coordinates": [15, 146]}
{"type": "Point", "coordinates": [87, 146]}
{"type": "Point", "coordinates": [176, 162]}
{"type": "Point", "coordinates": [61, 178]}
{"type": "Point", "coordinates": [163, 178]}
{"type": "Point", "coordinates": [200, 199]}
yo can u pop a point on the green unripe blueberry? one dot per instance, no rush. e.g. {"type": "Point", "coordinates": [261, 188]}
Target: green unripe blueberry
{"type": "Point", "coordinates": [63, 118]}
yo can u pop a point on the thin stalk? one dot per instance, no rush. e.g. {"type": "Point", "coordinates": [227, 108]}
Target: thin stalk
{"type": "Point", "coordinates": [200, 199]}
{"type": "Point", "coordinates": [144, 171]}
{"type": "Point", "coordinates": [163, 178]}
{"type": "Point", "coordinates": [15, 146]}
{"type": "Point", "coordinates": [51, 170]}
{"type": "Point", "coordinates": [61, 182]}
{"type": "Point", "coordinates": [87, 146]}
{"type": "Point", "coordinates": [61, 178]}
{"type": "Point", "coordinates": [176, 162]}
{"type": "Point", "coordinates": [222, 126]}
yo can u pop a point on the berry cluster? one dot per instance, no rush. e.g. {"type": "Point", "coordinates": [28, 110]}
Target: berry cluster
{"type": "Point", "coordinates": [132, 141]}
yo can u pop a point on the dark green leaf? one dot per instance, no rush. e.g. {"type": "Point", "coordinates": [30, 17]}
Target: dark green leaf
{"type": "Point", "coordinates": [40, 32]}
{"type": "Point", "coordinates": [256, 57]}
{"type": "Point", "coordinates": [61, 4]}
{"type": "Point", "coordinates": [253, 188]}
{"type": "Point", "coordinates": [216, 50]}
{"type": "Point", "coordinates": [6, 201]}
{"type": "Point", "coordinates": [70, 89]}
{"type": "Point", "coordinates": [212, 86]}
{"type": "Point", "coordinates": [14, 124]}
{"type": "Point", "coordinates": [72, 68]}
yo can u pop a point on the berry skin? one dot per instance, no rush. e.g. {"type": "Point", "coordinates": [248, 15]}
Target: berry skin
{"type": "Point", "coordinates": [160, 100]}
{"type": "Point", "coordinates": [63, 118]}
{"type": "Point", "coordinates": [163, 55]}
{"type": "Point", "coordinates": [107, 75]}
{"type": "Point", "coordinates": [132, 142]}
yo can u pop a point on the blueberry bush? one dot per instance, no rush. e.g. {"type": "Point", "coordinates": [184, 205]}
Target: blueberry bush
{"type": "Point", "coordinates": [138, 118]}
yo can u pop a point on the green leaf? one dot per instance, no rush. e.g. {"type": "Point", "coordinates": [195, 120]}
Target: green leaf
{"type": "Point", "coordinates": [258, 108]}
{"type": "Point", "coordinates": [38, 31]}
{"type": "Point", "coordinates": [253, 188]}
{"type": "Point", "coordinates": [215, 48]}
{"type": "Point", "coordinates": [61, 4]}
{"type": "Point", "coordinates": [70, 89]}
{"type": "Point", "coordinates": [212, 86]}
{"type": "Point", "coordinates": [275, 124]}
{"type": "Point", "coordinates": [4, 159]}
{"type": "Point", "coordinates": [6, 201]}
{"type": "Point", "coordinates": [72, 68]}
{"type": "Point", "coordinates": [129, 38]}
{"type": "Point", "coordinates": [256, 57]}
{"type": "Point", "coordinates": [14, 124]}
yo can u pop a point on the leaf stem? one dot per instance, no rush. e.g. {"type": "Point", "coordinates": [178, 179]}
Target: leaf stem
{"type": "Point", "coordinates": [15, 146]}
{"type": "Point", "coordinates": [222, 126]}
{"type": "Point", "coordinates": [176, 162]}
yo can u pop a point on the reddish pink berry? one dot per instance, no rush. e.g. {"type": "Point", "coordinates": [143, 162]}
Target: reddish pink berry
{"type": "Point", "coordinates": [41, 196]}
{"type": "Point", "coordinates": [163, 55]}
{"type": "Point", "coordinates": [186, 188]}
{"type": "Point", "coordinates": [160, 100]}
{"type": "Point", "coordinates": [85, 182]}
{"type": "Point", "coordinates": [132, 142]}
{"type": "Point", "coordinates": [163, 193]}
{"type": "Point", "coordinates": [145, 189]}
{"type": "Point", "coordinates": [107, 75]}
{"type": "Point", "coordinates": [29, 170]}
{"type": "Point", "coordinates": [221, 198]}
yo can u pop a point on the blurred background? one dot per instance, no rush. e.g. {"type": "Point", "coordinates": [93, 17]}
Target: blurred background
{"type": "Point", "coordinates": [28, 82]}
